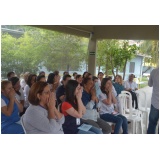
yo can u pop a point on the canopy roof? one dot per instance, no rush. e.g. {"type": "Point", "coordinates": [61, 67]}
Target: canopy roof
{"type": "Point", "coordinates": [130, 32]}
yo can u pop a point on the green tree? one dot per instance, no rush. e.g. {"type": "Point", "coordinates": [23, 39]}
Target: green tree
{"type": "Point", "coordinates": [150, 48]}
{"type": "Point", "coordinates": [114, 54]}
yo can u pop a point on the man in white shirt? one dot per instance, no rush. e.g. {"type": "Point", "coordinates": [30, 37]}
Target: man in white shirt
{"type": "Point", "coordinates": [154, 112]}
{"type": "Point", "coordinates": [131, 86]}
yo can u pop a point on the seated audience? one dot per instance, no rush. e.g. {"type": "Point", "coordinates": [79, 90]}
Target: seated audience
{"type": "Point", "coordinates": [19, 92]}
{"type": "Point", "coordinates": [107, 112]}
{"type": "Point", "coordinates": [30, 81]}
{"type": "Point", "coordinates": [60, 93]}
{"type": "Point", "coordinates": [10, 108]}
{"type": "Point", "coordinates": [23, 81]}
{"type": "Point", "coordinates": [41, 78]}
{"type": "Point", "coordinates": [74, 75]}
{"type": "Point", "coordinates": [79, 79]}
{"type": "Point", "coordinates": [10, 75]}
{"type": "Point", "coordinates": [42, 117]}
{"type": "Point", "coordinates": [118, 87]}
{"type": "Point", "coordinates": [91, 103]}
{"type": "Point", "coordinates": [131, 86]}
{"type": "Point", "coordinates": [41, 73]}
{"type": "Point", "coordinates": [73, 109]}
{"type": "Point", "coordinates": [53, 81]}
{"type": "Point", "coordinates": [85, 74]}
{"type": "Point", "coordinates": [100, 77]}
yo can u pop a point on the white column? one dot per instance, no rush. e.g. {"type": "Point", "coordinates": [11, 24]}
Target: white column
{"type": "Point", "coordinates": [92, 46]}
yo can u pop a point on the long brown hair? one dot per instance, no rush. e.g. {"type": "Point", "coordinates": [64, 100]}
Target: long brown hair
{"type": "Point", "coordinates": [103, 83]}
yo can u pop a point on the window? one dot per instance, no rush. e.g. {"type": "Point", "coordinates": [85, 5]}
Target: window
{"type": "Point", "coordinates": [132, 67]}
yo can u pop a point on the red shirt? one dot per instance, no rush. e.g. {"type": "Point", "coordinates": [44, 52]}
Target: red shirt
{"type": "Point", "coordinates": [64, 107]}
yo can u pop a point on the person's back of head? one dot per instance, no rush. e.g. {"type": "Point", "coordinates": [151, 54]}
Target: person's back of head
{"type": "Point", "coordinates": [41, 78]}
{"type": "Point", "coordinates": [56, 72]}
{"type": "Point", "coordinates": [66, 78]}
{"type": "Point", "coordinates": [95, 79]}
{"type": "Point", "coordinates": [65, 73]}
{"type": "Point", "coordinates": [41, 73]}
{"type": "Point", "coordinates": [50, 78]}
{"type": "Point", "coordinates": [10, 75]}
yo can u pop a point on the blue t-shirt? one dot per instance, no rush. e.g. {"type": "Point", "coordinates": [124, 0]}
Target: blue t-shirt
{"type": "Point", "coordinates": [86, 98]}
{"type": "Point", "coordinates": [118, 88]}
{"type": "Point", "coordinates": [8, 123]}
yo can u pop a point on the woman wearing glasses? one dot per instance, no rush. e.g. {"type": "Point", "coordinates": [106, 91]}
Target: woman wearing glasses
{"type": "Point", "coordinates": [42, 117]}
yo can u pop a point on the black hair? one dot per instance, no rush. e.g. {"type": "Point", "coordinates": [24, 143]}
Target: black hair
{"type": "Point", "coordinates": [50, 78]}
{"type": "Point", "coordinates": [84, 74]}
{"type": "Point", "coordinates": [9, 74]}
{"type": "Point", "coordinates": [39, 77]}
{"type": "Point", "coordinates": [78, 75]}
{"type": "Point", "coordinates": [66, 76]}
{"type": "Point", "coordinates": [30, 79]}
{"type": "Point", "coordinates": [85, 80]}
{"type": "Point", "coordinates": [41, 72]}
{"type": "Point", "coordinates": [70, 90]}
{"type": "Point", "coordinates": [100, 73]}
{"type": "Point", "coordinates": [94, 77]}
{"type": "Point", "coordinates": [74, 73]}
{"type": "Point", "coordinates": [14, 80]}
{"type": "Point", "coordinates": [64, 73]}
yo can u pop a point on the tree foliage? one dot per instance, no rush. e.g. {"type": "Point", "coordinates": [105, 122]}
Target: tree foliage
{"type": "Point", "coordinates": [114, 54]}
{"type": "Point", "coordinates": [37, 48]}
{"type": "Point", "coordinates": [151, 49]}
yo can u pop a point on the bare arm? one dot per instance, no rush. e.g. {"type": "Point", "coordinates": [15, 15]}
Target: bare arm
{"type": "Point", "coordinates": [20, 106]}
{"type": "Point", "coordinates": [81, 107]}
{"type": "Point", "coordinates": [7, 110]}
{"type": "Point", "coordinates": [53, 113]}
{"type": "Point", "coordinates": [108, 101]}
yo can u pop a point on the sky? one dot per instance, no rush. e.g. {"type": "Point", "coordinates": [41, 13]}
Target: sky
{"type": "Point", "coordinates": [79, 12]}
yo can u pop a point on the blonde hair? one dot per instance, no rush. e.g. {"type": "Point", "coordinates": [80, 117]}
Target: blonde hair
{"type": "Point", "coordinates": [120, 77]}
{"type": "Point", "coordinates": [4, 84]}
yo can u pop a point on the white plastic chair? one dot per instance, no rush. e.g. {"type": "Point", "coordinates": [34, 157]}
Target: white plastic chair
{"type": "Point", "coordinates": [133, 116]}
{"type": "Point", "coordinates": [142, 106]}
{"type": "Point", "coordinates": [127, 92]}
{"type": "Point", "coordinates": [23, 124]}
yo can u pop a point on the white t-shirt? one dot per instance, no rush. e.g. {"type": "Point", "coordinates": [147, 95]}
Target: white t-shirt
{"type": "Point", "coordinates": [104, 108]}
{"type": "Point", "coordinates": [3, 103]}
{"type": "Point", "coordinates": [20, 97]}
{"type": "Point", "coordinates": [131, 85]}
{"type": "Point", "coordinates": [22, 83]}
{"type": "Point", "coordinates": [26, 93]}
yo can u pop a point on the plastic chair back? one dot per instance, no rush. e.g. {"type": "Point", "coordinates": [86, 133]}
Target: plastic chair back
{"type": "Point", "coordinates": [23, 124]}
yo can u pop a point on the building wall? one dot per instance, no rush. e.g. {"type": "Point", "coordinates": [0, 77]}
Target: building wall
{"type": "Point", "coordinates": [138, 67]}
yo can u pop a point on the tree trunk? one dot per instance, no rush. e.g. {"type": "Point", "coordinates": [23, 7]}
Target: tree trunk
{"type": "Point", "coordinates": [99, 67]}
{"type": "Point", "coordinates": [124, 69]}
{"type": "Point", "coordinates": [113, 73]}
{"type": "Point", "coordinates": [116, 71]}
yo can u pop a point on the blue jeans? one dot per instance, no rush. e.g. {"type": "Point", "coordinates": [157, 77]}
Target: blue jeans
{"type": "Point", "coordinates": [153, 119]}
{"type": "Point", "coordinates": [119, 120]}
{"type": "Point", "coordinates": [93, 130]}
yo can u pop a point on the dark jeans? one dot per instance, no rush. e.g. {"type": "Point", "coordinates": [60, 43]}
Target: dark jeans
{"type": "Point", "coordinates": [134, 99]}
{"type": "Point", "coordinates": [153, 119]}
{"type": "Point", "coordinates": [119, 120]}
